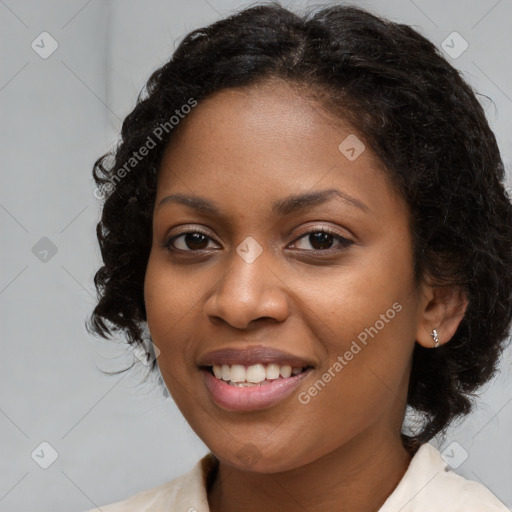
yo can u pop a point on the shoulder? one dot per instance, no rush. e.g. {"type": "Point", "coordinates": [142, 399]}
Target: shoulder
{"type": "Point", "coordinates": [186, 492]}
{"type": "Point", "coordinates": [154, 497]}
{"type": "Point", "coordinates": [429, 485]}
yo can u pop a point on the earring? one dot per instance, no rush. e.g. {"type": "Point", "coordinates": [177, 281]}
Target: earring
{"type": "Point", "coordinates": [435, 337]}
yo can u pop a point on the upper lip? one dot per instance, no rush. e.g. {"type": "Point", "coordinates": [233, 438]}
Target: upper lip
{"type": "Point", "coordinates": [250, 355]}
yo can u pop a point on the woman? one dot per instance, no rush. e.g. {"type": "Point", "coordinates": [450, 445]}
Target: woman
{"type": "Point", "coordinates": [309, 214]}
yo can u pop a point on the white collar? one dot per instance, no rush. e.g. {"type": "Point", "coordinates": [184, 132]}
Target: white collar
{"type": "Point", "coordinates": [428, 485]}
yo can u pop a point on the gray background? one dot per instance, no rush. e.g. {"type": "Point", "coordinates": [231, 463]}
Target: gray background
{"type": "Point", "coordinates": [114, 437]}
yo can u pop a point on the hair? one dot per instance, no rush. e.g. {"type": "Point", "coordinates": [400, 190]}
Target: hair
{"type": "Point", "coordinates": [412, 108]}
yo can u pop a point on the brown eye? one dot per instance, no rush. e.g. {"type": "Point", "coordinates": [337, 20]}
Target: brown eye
{"type": "Point", "coordinates": [321, 240]}
{"type": "Point", "coordinates": [196, 241]}
{"type": "Point", "coordinates": [189, 241]}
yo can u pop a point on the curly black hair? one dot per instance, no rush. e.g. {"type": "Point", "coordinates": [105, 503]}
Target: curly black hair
{"type": "Point", "coordinates": [407, 103]}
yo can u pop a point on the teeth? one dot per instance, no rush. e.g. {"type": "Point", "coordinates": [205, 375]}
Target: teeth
{"type": "Point", "coordinates": [237, 373]}
{"type": "Point", "coordinates": [254, 374]}
{"type": "Point", "coordinates": [217, 370]}
{"type": "Point", "coordinates": [273, 371]}
{"type": "Point", "coordinates": [285, 371]}
{"type": "Point", "coordinates": [226, 372]}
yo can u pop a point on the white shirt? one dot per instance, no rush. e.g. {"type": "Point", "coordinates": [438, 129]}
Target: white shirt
{"type": "Point", "coordinates": [428, 485]}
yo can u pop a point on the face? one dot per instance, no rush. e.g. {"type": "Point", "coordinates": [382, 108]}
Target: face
{"type": "Point", "coordinates": [286, 240]}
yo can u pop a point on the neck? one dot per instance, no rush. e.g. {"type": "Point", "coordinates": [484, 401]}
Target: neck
{"type": "Point", "coordinates": [357, 477]}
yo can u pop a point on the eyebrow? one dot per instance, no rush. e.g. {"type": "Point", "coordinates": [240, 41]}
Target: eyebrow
{"type": "Point", "coordinates": [281, 207]}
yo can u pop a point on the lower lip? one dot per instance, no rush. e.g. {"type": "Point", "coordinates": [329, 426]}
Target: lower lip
{"type": "Point", "coordinates": [252, 398]}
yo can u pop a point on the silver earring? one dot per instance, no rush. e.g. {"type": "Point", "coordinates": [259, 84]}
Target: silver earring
{"type": "Point", "coordinates": [435, 337]}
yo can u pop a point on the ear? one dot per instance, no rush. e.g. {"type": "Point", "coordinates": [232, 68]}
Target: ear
{"type": "Point", "coordinates": [441, 308]}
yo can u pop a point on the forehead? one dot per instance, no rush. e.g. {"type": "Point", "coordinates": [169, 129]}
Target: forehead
{"type": "Point", "coordinates": [268, 141]}
{"type": "Point", "coordinates": [272, 113]}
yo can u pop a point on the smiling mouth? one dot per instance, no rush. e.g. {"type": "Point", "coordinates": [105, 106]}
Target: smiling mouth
{"type": "Point", "coordinates": [238, 375]}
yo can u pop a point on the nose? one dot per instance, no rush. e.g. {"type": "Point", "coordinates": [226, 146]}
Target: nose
{"type": "Point", "coordinates": [247, 294]}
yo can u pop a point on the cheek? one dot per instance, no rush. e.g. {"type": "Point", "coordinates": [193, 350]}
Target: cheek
{"type": "Point", "coordinates": [360, 384]}
{"type": "Point", "coordinates": [169, 301]}
{"type": "Point", "coordinates": [169, 306]}
{"type": "Point", "coordinates": [168, 294]}
{"type": "Point", "coordinates": [374, 285]}
{"type": "Point", "coordinates": [365, 320]}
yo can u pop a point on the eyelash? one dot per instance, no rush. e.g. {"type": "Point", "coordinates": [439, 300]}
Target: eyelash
{"type": "Point", "coordinates": [343, 242]}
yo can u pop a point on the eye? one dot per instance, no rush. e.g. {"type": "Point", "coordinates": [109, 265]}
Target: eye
{"type": "Point", "coordinates": [321, 239]}
{"type": "Point", "coordinates": [189, 241]}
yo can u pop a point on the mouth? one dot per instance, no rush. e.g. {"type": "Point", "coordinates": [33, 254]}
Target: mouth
{"type": "Point", "coordinates": [259, 374]}
{"type": "Point", "coordinates": [240, 388]}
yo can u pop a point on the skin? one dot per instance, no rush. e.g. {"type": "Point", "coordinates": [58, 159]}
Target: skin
{"type": "Point", "coordinates": [244, 149]}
